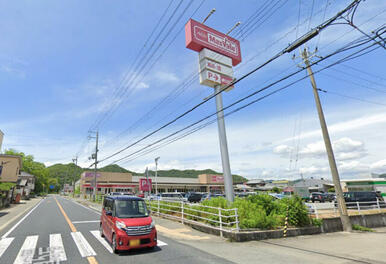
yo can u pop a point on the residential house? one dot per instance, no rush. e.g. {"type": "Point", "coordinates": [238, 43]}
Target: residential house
{"type": "Point", "coordinates": [9, 171]}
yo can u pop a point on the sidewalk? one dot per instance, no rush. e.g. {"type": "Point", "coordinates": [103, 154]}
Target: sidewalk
{"type": "Point", "coordinates": [11, 214]}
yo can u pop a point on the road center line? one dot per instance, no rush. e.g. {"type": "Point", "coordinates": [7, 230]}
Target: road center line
{"type": "Point", "coordinates": [90, 259]}
{"type": "Point", "coordinates": [21, 220]}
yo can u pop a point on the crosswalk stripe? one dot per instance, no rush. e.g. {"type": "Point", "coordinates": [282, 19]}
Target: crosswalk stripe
{"type": "Point", "coordinates": [161, 243]}
{"type": "Point", "coordinates": [27, 250]}
{"type": "Point", "coordinates": [57, 252]}
{"type": "Point", "coordinates": [84, 247]}
{"type": "Point", "coordinates": [4, 244]}
{"type": "Point", "coordinates": [96, 234]}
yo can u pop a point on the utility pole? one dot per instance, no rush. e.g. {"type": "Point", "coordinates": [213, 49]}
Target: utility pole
{"type": "Point", "coordinates": [94, 156]}
{"type": "Point", "coordinates": [156, 173]}
{"type": "Point", "coordinates": [73, 178]}
{"type": "Point", "coordinates": [331, 159]}
{"type": "Point", "coordinates": [96, 165]}
{"type": "Point", "coordinates": [228, 181]}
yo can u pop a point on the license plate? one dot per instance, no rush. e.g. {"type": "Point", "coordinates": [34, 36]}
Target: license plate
{"type": "Point", "coordinates": [134, 242]}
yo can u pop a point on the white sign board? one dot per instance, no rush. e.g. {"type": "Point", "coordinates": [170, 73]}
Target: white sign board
{"type": "Point", "coordinates": [216, 67]}
{"type": "Point", "coordinates": [211, 79]}
{"type": "Point", "coordinates": [214, 56]}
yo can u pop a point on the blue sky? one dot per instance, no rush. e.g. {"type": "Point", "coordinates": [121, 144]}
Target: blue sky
{"type": "Point", "coordinates": [61, 61]}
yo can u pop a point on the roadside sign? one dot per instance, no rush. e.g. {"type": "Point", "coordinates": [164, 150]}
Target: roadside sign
{"type": "Point", "coordinates": [214, 56]}
{"type": "Point", "coordinates": [199, 36]}
{"type": "Point", "coordinates": [211, 79]}
{"type": "Point", "coordinates": [145, 185]}
{"type": "Point", "coordinates": [52, 187]}
{"type": "Point", "coordinates": [216, 67]}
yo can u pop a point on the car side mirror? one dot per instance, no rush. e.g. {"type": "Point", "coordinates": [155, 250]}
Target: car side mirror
{"type": "Point", "coordinates": [109, 213]}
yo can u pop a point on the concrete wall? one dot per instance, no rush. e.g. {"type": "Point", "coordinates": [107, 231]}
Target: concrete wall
{"type": "Point", "coordinates": [335, 225]}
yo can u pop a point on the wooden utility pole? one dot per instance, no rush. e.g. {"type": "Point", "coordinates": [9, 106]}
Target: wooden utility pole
{"type": "Point", "coordinates": [331, 159]}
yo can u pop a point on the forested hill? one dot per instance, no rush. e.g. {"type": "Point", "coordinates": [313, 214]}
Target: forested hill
{"type": "Point", "coordinates": [69, 172]}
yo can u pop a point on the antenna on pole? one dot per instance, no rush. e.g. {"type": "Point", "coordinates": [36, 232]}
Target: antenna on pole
{"type": "Point", "coordinates": [235, 26]}
{"type": "Point", "coordinates": [210, 13]}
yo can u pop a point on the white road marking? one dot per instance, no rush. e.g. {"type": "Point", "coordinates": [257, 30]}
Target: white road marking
{"type": "Point", "coordinates": [85, 222]}
{"type": "Point", "coordinates": [161, 243]}
{"type": "Point", "coordinates": [27, 251]}
{"type": "Point", "coordinates": [103, 241]}
{"type": "Point", "coordinates": [84, 247]}
{"type": "Point", "coordinates": [4, 244]}
{"type": "Point", "coordinates": [21, 220]}
{"type": "Point", "coordinates": [57, 252]}
{"type": "Point", "coordinates": [88, 208]}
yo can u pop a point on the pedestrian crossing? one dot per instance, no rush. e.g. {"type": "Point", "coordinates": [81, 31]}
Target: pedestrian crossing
{"type": "Point", "coordinates": [55, 253]}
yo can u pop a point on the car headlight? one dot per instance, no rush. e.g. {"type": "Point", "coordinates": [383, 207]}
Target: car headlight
{"type": "Point", "coordinates": [152, 225]}
{"type": "Point", "coordinates": [120, 225]}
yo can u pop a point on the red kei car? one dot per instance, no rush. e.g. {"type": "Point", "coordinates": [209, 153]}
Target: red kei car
{"type": "Point", "coordinates": [126, 223]}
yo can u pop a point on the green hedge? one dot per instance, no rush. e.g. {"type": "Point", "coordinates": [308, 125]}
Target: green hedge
{"type": "Point", "coordinates": [258, 211]}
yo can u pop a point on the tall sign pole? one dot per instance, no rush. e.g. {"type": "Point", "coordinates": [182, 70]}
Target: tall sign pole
{"type": "Point", "coordinates": [330, 153]}
{"type": "Point", "coordinates": [228, 180]}
{"type": "Point", "coordinates": [218, 52]}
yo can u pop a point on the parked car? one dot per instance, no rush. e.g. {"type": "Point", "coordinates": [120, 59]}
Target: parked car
{"type": "Point", "coordinates": [126, 223]}
{"type": "Point", "coordinates": [364, 198]}
{"type": "Point", "coordinates": [174, 196]}
{"type": "Point", "coordinates": [318, 197]}
{"type": "Point", "coordinates": [193, 197]}
{"type": "Point", "coordinates": [208, 196]}
{"type": "Point", "coordinates": [278, 195]}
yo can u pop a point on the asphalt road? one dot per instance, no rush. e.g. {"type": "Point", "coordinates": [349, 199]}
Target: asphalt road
{"type": "Point", "coordinates": [44, 235]}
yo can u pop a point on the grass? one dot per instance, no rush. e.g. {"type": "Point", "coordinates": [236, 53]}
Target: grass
{"type": "Point", "coordinates": [362, 228]}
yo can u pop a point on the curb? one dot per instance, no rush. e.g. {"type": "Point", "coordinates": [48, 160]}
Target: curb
{"type": "Point", "coordinates": [17, 216]}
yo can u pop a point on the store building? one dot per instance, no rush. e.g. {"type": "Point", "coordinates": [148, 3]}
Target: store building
{"type": "Point", "coordinates": [125, 182]}
{"type": "Point", "coordinates": [371, 184]}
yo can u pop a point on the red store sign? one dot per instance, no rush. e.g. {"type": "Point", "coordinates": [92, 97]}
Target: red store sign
{"type": "Point", "coordinates": [199, 36]}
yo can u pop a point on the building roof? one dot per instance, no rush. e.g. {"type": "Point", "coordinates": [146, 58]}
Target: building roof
{"type": "Point", "coordinates": [25, 174]}
{"type": "Point", "coordinates": [255, 181]}
{"type": "Point", "coordinates": [169, 180]}
{"type": "Point", "coordinates": [364, 180]}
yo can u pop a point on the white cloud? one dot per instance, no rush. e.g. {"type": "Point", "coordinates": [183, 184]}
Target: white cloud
{"type": "Point", "coordinates": [379, 166]}
{"type": "Point", "coordinates": [166, 77]}
{"type": "Point", "coordinates": [142, 86]}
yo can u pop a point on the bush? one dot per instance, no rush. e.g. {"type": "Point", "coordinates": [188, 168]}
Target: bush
{"type": "Point", "coordinates": [258, 211]}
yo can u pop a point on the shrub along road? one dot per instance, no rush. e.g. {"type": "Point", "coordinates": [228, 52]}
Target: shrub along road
{"type": "Point", "coordinates": [45, 236]}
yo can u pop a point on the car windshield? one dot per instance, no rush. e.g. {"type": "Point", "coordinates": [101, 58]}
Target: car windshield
{"type": "Point", "coordinates": [130, 209]}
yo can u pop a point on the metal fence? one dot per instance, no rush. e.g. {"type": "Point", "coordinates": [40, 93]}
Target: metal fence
{"type": "Point", "coordinates": [325, 210]}
{"type": "Point", "coordinates": [214, 217]}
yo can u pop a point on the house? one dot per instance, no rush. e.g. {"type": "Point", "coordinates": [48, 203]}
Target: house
{"type": "Point", "coordinates": [313, 184]}
{"type": "Point", "coordinates": [9, 171]}
{"type": "Point", "coordinates": [25, 184]}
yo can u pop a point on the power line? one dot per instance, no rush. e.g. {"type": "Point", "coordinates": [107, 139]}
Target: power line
{"type": "Point", "coordinates": [241, 107]}
{"type": "Point", "coordinates": [352, 97]}
{"type": "Point", "coordinates": [290, 48]}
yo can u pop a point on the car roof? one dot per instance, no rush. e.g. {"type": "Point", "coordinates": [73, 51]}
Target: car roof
{"type": "Point", "coordinates": [124, 198]}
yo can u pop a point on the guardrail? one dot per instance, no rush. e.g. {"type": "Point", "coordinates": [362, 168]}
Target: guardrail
{"type": "Point", "coordinates": [353, 208]}
{"type": "Point", "coordinates": [214, 217]}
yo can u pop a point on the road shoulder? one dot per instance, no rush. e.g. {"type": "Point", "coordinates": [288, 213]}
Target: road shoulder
{"type": "Point", "coordinates": [10, 215]}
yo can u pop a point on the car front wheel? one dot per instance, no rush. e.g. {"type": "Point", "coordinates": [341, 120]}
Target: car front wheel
{"type": "Point", "coordinates": [114, 244]}
{"type": "Point", "coordinates": [101, 230]}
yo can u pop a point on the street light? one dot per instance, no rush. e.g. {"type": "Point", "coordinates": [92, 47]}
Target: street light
{"type": "Point", "coordinates": [156, 167]}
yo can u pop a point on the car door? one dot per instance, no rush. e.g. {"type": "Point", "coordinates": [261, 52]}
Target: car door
{"type": "Point", "coordinates": [109, 219]}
